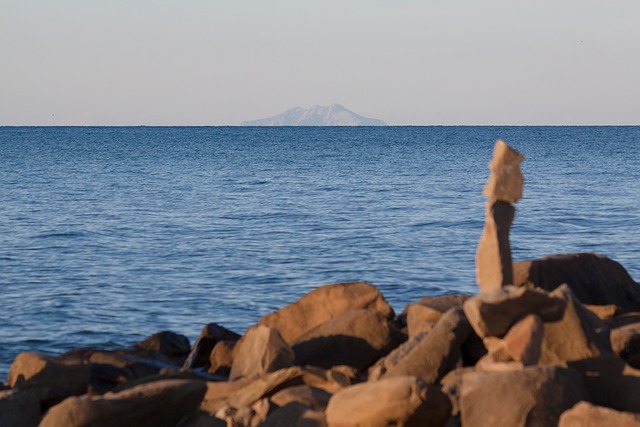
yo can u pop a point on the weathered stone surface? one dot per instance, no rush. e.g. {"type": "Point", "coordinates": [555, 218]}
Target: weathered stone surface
{"type": "Point", "coordinates": [532, 396]}
{"type": "Point", "coordinates": [584, 414]}
{"type": "Point", "coordinates": [604, 312]}
{"type": "Point", "coordinates": [136, 361]}
{"type": "Point", "coordinates": [211, 334]}
{"type": "Point", "coordinates": [424, 314]}
{"type": "Point", "coordinates": [593, 278]}
{"type": "Point", "coordinates": [505, 181]}
{"type": "Point", "coordinates": [437, 353]}
{"type": "Point", "coordinates": [245, 416]}
{"type": "Point", "coordinates": [51, 380]}
{"type": "Point", "coordinates": [202, 419]}
{"type": "Point", "coordinates": [261, 350]}
{"type": "Point", "coordinates": [625, 342]}
{"type": "Point", "coordinates": [451, 385]}
{"type": "Point", "coordinates": [324, 303]}
{"type": "Point", "coordinates": [523, 342]}
{"type": "Point", "coordinates": [313, 397]}
{"type": "Point", "coordinates": [494, 266]}
{"type": "Point", "coordinates": [384, 364]}
{"type": "Point", "coordinates": [610, 382]}
{"type": "Point", "coordinates": [174, 346]}
{"type": "Point", "coordinates": [403, 400]}
{"type": "Point", "coordinates": [157, 404]}
{"type": "Point", "coordinates": [578, 335]}
{"type": "Point", "coordinates": [221, 358]}
{"type": "Point", "coordinates": [19, 408]}
{"type": "Point", "coordinates": [493, 313]}
{"type": "Point", "coordinates": [295, 414]}
{"type": "Point", "coordinates": [355, 338]}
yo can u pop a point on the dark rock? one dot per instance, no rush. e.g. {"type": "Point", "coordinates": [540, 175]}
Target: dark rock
{"type": "Point", "coordinates": [584, 414]}
{"type": "Point", "coordinates": [49, 379]}
{"type": "Point", "coordinates": [19, 408]}
{"type": "Point", "coordinates": [262, 350]}
{"type": "Point", "coordinates": [324, 303]}
{"type": "Point", "coordinates": [174, 346]}
{"type": "Point", "coordinates": [355, 338]}
{"type": "Point", "coordinates": [295, 414]}
{"type": "Point", "coordinates": [625, 342]}
{"type": "Point", "coordinates": [157, 404]}
{"type": "Point", "coordinates": [402, 400]}
{"type": "Point", "coordinates": [493, 313]}
{"type": "Point", "coordinates": [531, 396]}
{"type": "Point", "coordinates": [593, 278]}
{"type": "Point", "coordinates": [313, 397]}
{"type": "Point", "coordinates": [211, 334]}
{"type": "Point", "coordinates": [202, 419]}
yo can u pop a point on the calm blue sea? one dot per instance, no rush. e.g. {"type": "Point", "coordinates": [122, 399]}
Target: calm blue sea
{"type": "Point", "coordinates": [109, 234]}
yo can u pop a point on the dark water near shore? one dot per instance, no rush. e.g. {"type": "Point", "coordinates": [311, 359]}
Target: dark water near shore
{"type": "Point", "coordinates": [108, 235]}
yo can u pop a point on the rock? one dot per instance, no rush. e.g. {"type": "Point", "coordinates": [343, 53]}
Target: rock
{"type": "Point", "coordinates": [355, 338]}
{"type": "Point", "coordinates": [246, 416]}
{"type": "Point", "coordinates": [50, 380]}
{"type": "Point", "coordinates": [424, 314]}
{"type": "Point", "coordinates": [523, 342]}
{"type": "Point", "coordinates": [392, 359]}
{"type": "Point", "coordinates": [403, 400]}
{"type": "Point", "coordinates": [313, 397]}
{"type": "Point", "coordinates": [604, 312]}
{"type": "Point", "coordinates": [505, 181]}
{"type": "Point", "coordinates": [610, 382]}
{"type": "Point", "coordinates": [136, 361]}
{"type": "Point", "coordinates": [584, 414]}
{"type": "Point", "coordinates": [625, 342]}
{"type": "Point", "coordinates": [624, 319]}
{"type": "Point", "coordinates": [157, 404]}
{"type": "Point", "coordinates": [295, 414]}
{"type": "Point", "coordinates": [493, 313]}
{"type": "Point", "coordinates": [578, 335]}
{"type": "Point", "coordinates": [212, 333]}
{"type": "Point", "coordinates": [174, 346]}
{"type": "Point", "coordinates": [323, 304]}
{"type": "Point", "coordinates": [104, 377]}
{"type": "Point", "coordinates": [451, 385]}
{"type": "Point", "coordinates": [19, 408]}
{"type": "Point", "coordinates": [262, 350]}
{"type": "Point", "coordinates": [494, 267]}
{"type": "Point", "coordinates": [437, 353]}
{"type": "Point", "coordinates": [593, 278]}
{"type": "Point", "coordinates": [202, 419]}
{"type": "Point", "coordinates": [221, 358]}
{"type": "Point", "coordinates": [531, 396]}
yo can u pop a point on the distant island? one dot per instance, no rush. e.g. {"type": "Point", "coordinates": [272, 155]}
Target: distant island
{"type": "Point", "coordinates": [334, 115]}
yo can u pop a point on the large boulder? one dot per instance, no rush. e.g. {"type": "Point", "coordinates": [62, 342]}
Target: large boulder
{"type": "Point", "coordinates": [51, 380]}
{"type": "Point", "coordinates": [156, 404]}
{"type": "Point", "coordinates": [211, 334]}
{"type": "Point", "coordinates": [580, 334]}
{"type": "Point", "coordinates": [586, 415]}
{"type": "Point", "coordinates": [174, 346]}
{"type": "Point", "coordinates": [355, 338]}
{"type": "Point", "coordinates": [423, 315]}
{"type": "Point", "coordinates": [261, 350]}
{"type": "Point", "coordinates": [19, 408]}
{"type": "Point", "coordinates": [437, 353]}
{"type": "Point", "coordinates": [404, 400]}
{"type": "Point", "coordinates": [493, 313]}
{"type": "Point", "coordinates": [531, 396]}
{"type": "Point", "coordinates": [593, 278]}
{"type": "Point", "coordinates": [324, 303]}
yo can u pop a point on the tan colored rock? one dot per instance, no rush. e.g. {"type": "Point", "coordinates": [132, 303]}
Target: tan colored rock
{"type": "Point", "coordinates": [324, 303]}
{"type": "Point", "coordinates": [593, 278]}
{"type": "Point", "coordinates": [424, 314]}
{"type": "Point", "coordinates": [221, 358]}
{"type": "Point", "coordinates": [295, 414]}
{"type": "Point", "coordinates": [610, 382]}
{"type": "Point", "coordinates": [19, 408]}
{"type": "Point", "coordinates": [211, 334]}
{"type": "Point", "coordinates": [523, 342]}
{"type": "Point", "coordinates": [578, 335]}
{"type": "Point", "coordinates": [438, 353]}
{"type": "Point", "coordinates": [493, 313]}
{"type": "Point", "coordinates": [584, 414]}
{"type": "Point", "coordinates": [530, 396]}
{"type": "Point", "coordinates": [494, 266]}
{"type": "Point", "coordinates": [386, 363]}
{"type": "Point", "coordinates": [354, 338]}
{"type": "Point", "coordinates": [403, 400]}
{"type": "Point", "coordinates": [313, 397]}
{"type": "Point", "coordinates": [604, 312]}
{"type": "Point", "coordinates": [625, 342]}
{"type": "Point", "coordinates": [51, 380]}
{"type": "Point", "coordinates": [505, 181]}
{"type": "Point", "coordinates": [451, 385]}
{"type": "Point", "coordinates": [262, 350]}
{"type": "Point", "coordinates": [157, 404]}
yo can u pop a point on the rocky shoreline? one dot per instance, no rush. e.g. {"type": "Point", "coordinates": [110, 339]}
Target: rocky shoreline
{"type": "Point", "coordinates": [554, 341]}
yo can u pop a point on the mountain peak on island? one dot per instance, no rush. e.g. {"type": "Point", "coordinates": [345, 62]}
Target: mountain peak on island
{"type": "Point", "coordinates": [333, 115]}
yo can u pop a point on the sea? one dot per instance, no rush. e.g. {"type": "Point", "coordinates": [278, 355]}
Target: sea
{"type": "Point", "coordinates": [110, 234]}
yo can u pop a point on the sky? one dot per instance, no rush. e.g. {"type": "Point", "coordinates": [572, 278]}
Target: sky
{"type": "Point", "coordinates": [212, 62]}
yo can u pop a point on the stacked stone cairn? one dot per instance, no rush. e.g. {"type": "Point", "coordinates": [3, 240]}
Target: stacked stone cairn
{"type": "Point", "coordinates": [555, 341]}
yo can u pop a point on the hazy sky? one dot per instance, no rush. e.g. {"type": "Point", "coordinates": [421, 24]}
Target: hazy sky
{"type": "Point", "coordinates": [211, 62]}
